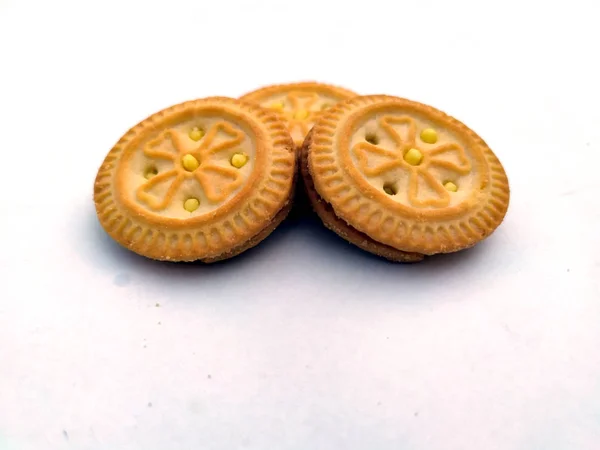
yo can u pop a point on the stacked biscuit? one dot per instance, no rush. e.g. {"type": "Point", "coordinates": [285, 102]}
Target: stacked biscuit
{"type": "Point", "coordinates": [210, 178]}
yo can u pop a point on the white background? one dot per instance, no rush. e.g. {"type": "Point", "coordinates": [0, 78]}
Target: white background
{"type": "Point", "coordinates": [304, 343]}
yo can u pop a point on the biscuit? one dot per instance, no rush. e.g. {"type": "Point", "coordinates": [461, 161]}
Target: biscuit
{"type": "Point", "coordinates": [202, 180]}
{"type": "Point", "coordinates": [388, 174]}
{"type": "Point", "coordinates": [299, 104]}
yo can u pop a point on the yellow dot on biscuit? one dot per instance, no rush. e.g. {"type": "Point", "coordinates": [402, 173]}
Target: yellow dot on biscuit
{"type": "Point", "coordinates": [372, 139]}
{"type": "Point", "coordinates": [189, 163]}
{"type": "Point", "coordinates": [191, 204]}
{"type": "Point", "coordinates": [301, 114]}
{"type": "Point", "coordinates": [239, 160]}
{"type": "Point", "coordinates": [450, 186]}
{"type": "Point", "coordinates": [390, 189]}
{"type": "Point", "coordinates": [150, 172]}
{"type": "Point", "coordinates": [277, 105]}
{"type": "Point", "coordinates": [196, 134]}
{"type": "Point", "coordinates": [413, 157]}
{"type": "Point", "coordinates": [429, 135]}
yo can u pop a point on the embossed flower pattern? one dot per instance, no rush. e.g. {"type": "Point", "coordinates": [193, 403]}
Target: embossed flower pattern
{"type": "Point", "coordinates": [301, 115]}
{"type": "Point", "coordinates": [450, 156]}
{"type": "Point", "coordinates": [217, 181]}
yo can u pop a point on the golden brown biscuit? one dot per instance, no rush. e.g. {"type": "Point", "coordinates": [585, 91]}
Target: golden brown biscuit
{"type": "Point", "coordinates": [202, 180]}
{"type": "Point", "coordinates": [300, 104]}
{"type": "Point", "coordinates": [406, 175]}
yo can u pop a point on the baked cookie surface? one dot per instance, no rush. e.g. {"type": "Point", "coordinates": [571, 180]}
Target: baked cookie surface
{"type": "Point", "coordinates": [407, 175]}
{"type": "Point", "coordinates": [202, 180]}
{"type": "Point", "coordinates": [299, 104]}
